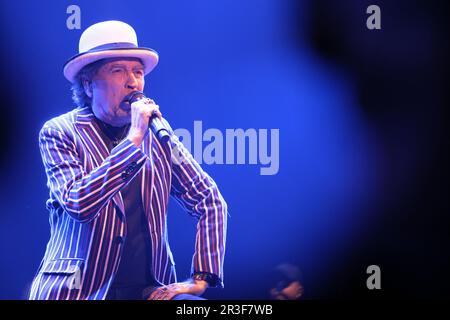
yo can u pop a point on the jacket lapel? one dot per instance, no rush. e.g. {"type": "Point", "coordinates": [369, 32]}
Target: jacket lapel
{"type": "Point", "coordinates": [148, 177]}
{"type": "Point", "coordinates": [89, 133]}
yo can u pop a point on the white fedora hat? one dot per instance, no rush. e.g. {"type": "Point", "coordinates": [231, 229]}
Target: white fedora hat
{"type": "Point", "coordinates": [108, 39]}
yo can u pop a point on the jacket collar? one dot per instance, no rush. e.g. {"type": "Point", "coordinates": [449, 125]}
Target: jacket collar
{"type": "Point", "coordinates": [89, 132]}
{"type": "Point", "coordinates": [87, 128]}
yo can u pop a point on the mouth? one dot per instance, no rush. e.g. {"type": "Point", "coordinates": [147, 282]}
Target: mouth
{"type": "Point", "coordinates": [125, 103]}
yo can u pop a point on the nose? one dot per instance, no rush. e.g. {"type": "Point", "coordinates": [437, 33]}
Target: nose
{"type": "Point", "coordinates": [132, 81]}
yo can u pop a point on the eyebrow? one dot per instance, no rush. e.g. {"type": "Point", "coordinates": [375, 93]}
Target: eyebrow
{"type": "Point", "coordinates": [115, 65]}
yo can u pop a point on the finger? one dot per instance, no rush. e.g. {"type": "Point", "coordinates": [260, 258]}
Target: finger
{"type": "Point", "coordinates": [158, 292]}
{"type": "Point", "coordinates": [150, 109]}
{"type": "Point", "coordinates": [150, 112]}
{"type": "Point", "coordinates": [157, 113]}
{"type": "Point", "coordinates": [152, 295]}
{"type": "Point", "coordinates": [170, 293]}
{"type": "Point", "coordinates": [167, 295]}
{"type": "Point", "coordinates": [158, 295]}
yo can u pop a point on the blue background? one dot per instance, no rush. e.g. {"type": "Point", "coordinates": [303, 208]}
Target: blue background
{"type": "Point", "coordinates": [361, 119]}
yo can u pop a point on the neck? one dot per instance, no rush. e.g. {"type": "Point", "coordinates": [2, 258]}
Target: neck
{"type": "Point", "coordinates": [113, 132]}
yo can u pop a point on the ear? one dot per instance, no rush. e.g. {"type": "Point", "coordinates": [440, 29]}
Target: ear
{"type": "Point", "coordinates": [87, 85]}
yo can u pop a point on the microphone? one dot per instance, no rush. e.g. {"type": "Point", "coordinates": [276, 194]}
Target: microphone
{"type": "Point", "coordinates": [155, 123]}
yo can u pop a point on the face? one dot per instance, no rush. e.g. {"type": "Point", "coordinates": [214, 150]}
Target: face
{"type": "Point", "coordinates": [114, 80]}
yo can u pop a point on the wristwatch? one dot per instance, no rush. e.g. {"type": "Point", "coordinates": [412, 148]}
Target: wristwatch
{"type": "Point", "coordinates": [210, 278]}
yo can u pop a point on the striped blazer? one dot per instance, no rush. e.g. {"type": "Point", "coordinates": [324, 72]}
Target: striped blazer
{"type": "Point", "coordinates": [86, 209]}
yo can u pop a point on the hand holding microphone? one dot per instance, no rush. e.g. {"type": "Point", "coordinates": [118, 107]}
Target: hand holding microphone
{"type": "Point", "coordinates": [144, 114]}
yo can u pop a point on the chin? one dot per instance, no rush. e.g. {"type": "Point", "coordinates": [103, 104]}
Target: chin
{"type": "Point", "coordinates": [118, 121]}
{"type": "Point", "coordinates": [122, 116]}
{"type": "Point", "coordinates": [123, 122]}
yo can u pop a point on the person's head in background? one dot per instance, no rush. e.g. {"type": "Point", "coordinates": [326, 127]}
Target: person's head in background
{"type": "Point", "coordinates": [286, 282]}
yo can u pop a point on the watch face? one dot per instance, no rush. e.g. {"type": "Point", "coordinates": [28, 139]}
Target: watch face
{"type": "Point", "coordinates": [199, 277]}
{"type": "Point", "coordinates": [206, 277]}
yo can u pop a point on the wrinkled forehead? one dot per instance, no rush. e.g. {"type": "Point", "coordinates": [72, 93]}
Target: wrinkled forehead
{"type": "Point", "coordinates": [131, 62]}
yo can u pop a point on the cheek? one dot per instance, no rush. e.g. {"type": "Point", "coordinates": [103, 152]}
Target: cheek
{"type": "Point", "coordinates": [141, 84]}
{"type": "Point", "coordinates": [100, 85]}
{"type": "Point", "coordinates": [99, 89]}
{"type": "Point", "coordinates": [108, 91]}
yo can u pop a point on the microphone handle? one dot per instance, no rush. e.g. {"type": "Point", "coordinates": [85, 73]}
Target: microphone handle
{"type": "Point", "coordinates": [155, 124]}
{"type": "Point", "coordinates": [159, 129]}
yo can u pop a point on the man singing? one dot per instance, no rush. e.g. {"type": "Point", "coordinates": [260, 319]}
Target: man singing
{"type": "Point", "coordinates": [110, 178]}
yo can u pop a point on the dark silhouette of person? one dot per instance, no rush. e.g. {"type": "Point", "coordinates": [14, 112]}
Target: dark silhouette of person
{"type": "Point", "coordinates": [286, 282]}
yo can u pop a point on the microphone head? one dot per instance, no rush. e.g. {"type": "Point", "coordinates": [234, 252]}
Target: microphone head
{"type": "Point", "coordinates": [134, 96]}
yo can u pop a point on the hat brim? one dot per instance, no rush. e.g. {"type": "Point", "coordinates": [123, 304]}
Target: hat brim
{"type": "Point", "coordinates": [148, 57]}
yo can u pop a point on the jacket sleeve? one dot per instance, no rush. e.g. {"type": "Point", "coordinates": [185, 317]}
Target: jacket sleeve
{"type": "Point", "coordinates": [83, 194]}
{"type": "Point", "coordinates": [197, 192]}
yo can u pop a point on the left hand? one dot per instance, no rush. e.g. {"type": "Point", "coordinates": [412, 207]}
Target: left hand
{"type": "Point", "coordinates": [195, 287]}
